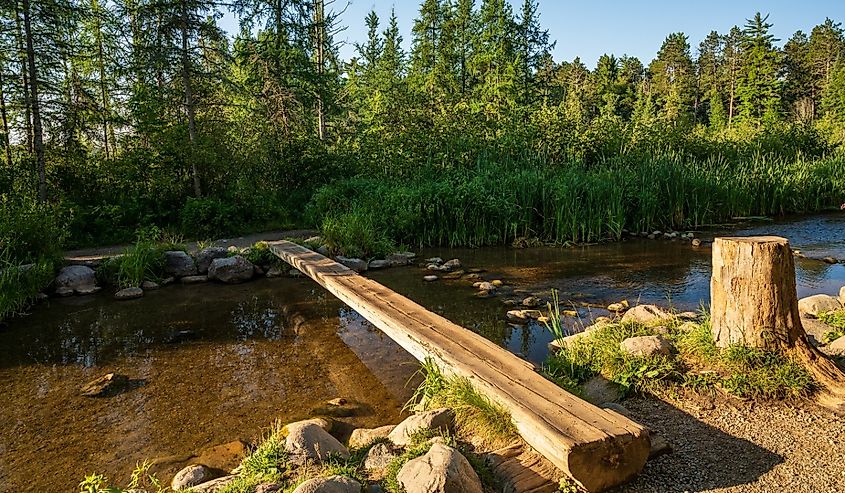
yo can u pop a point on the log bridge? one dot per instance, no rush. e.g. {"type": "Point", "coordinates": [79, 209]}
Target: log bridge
{"type": "Point", "coordinates": [598, 448]}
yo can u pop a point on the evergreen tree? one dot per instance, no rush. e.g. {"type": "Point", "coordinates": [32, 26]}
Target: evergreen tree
{"type": "Point", "coordinates": [672, 78]}
{"type": "Point", "coordinates": [759, 85]}
{"type": "Point", "coordinates": [532, 47]}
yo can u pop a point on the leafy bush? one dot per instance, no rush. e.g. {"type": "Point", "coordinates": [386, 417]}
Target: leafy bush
{"type": "Point", "coordinates": [19, 285]}
{"type": "Point", "coordinates": [29, 231]}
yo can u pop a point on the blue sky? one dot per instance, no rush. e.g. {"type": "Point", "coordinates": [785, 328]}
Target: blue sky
{"type": "Point", "coordinates": [589, 28]}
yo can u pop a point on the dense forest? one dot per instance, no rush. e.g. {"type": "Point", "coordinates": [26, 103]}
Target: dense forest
{"type": "Point", "coordinates": [124, 114]}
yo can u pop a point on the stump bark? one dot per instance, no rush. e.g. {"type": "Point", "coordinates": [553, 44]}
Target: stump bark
{"type": "Point", "coordinates": [754, 303]}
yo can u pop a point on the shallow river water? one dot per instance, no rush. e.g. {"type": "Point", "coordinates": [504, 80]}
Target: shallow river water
{"type": "Point", "coordinates": [211, 363]}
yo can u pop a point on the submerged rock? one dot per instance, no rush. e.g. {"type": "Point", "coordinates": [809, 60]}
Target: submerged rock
{"type": "Point", "coordinates": [179, 264]}
{"type": "Point", "coordinates": [86, 290]}
{"type": "Point", "coordinates": [193, 279]}
{"type": "Point", "coordinates": [231, 270]}
{"type": "Point", "coordinates": [208, 255]}
{"type": "Point", "coordinates": [442, 470]}
{"type": "Point", "coordinates": [193, 475]}
{"type": "Point", "coordinates": [437, 419]}
{"type": "Point", "coordinates": [646, 346]}
{"type": "Point", "coordinates": [74, 278]}
{"type": "Point", "coordinates": [224, 457]}
{"type": "Point", "coordinates": [108, 384]}
{"type": "Point", "coordinates": [129, 294]}
{"type": "Point", "coordinates": [331, 484]}
{"type": "Point", "coordinates": [818, 304]}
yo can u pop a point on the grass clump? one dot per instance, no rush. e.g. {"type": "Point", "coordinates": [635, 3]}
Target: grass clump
{"type": "Point", "coordinates": [355, 234]}
{"type": "Point", "coordinates": [835, 319]}
{"type": "Point", "coordinates": [698, 366]}
{"type": "Point", "coordinates": [19, 284]}
{"type": "Point", "coordinates": [141, 479]}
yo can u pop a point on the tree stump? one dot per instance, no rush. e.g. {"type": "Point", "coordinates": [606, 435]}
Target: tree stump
{"type": "Point", "coordinates": [754, 303]}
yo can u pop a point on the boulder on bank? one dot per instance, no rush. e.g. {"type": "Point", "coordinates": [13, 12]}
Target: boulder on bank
{"type": "Point", "coordinates": [207, 255]}
{"type": "Point", "coordinates": [645, 314]}
{"type": "Point", "coordinates": [437, 419]}
{"type": "Point", "coordinates": [356, 264]}
{"type": "Point", "coordinates": [307, 441]}
{"type": "Point", "coordinates": [818, 304]}
{"type": "Point", "coordinates": [331, 484]}
{"type": "Point", "coordinates": [179, 264]}
{"type": "Point", "coordinates": [215, 485]}
{"type": "Point", "coordinates": [193, 475]}
{"type": "Point", "coordinates": [231, 270]}
{"type": "Point", "coordinates": [400, 258]}
{"type": "Point", "coordinates": [132, 293]}
{"type": "Point", "coordinates": [361, 437]}
{"type": "Point", "coordinates": [837, 347]}
{"type": "Point", "coordinates": [75, 278]}
{"type": "Point", "coordinates": [442, 470]}
{"type": "Point", "coordinates": [646, 346]}
{"type": "Point", "coordinates": [379, 457]}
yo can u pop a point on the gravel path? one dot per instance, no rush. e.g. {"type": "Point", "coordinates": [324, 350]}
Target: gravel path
{"type": "Point", "coordinates": [773, 447]}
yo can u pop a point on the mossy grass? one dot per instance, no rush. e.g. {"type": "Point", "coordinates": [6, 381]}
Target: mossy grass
{"type": "Point", "coordinates": [699, 365]}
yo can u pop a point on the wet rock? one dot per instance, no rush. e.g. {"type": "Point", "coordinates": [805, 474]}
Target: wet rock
{"type": "Point", "coordinates": [64, 292]}
{"type": "Point", "coordinates": [231, 270]}
{"type": "Point", "coordinates": [484, 294]}
{"type": "Point", "coordinates": [215, 485]}
{"type": "Point", "coordinates": [309, 442]}
{"type": "Point", "coordinates": [437, 268]}
{"type": "Point", "coordinates": [379, 457]}
{"type": "Point", "coordinates": [454, 275]}
{"type": "Point", "coordinates": [193, 279]}
{"type": "Point", "coordinates": [73, 278]}
{"type": "Point", "coordinates": [645, 314]}
{"type": "Point", "coordinates": [430, 278]}
{"type": "Point", "coordinates": [86, 290]}
{"type": "Point", "coordinates": [193, 475]}
{"type": "Point", "coordinates": [437, 419]}
{"type": "Point", "coordinates": [497, 282]}
{"type": "Point", "coordinates": [179, 264]}
{"type": "Point", "coordinates": [336, 408]}
{"type": "Point", "coordinates": [149, 286]}
{"type": "Point", "coordinates": [355, 264]}
{"type": "Point", "coordinates": [696, 242]}
{"type": "Point", "coordinates": [361, 437]}
{"type": "Point", "coordinates": [207, 255]}
{"type": "Point", "coordinates": [618, 307]}
{"type": "Point", "coordinates": [452, 264]}
{"type": "Point", "coordinates": [108, 384]}
{"type": "Point", "coordinates": [473, 276]}
{"type": "Point", "coordinates": [378, 264]}
{"type": "Point", "coordinates": [485, 286]}
{"type": "Point", "coordinates": [442, 470]}
{"type": "Point", "coordinates": [510, 302]}
{"type": "Point", "coordinates": [129, 294]}
{"type": "Point", "coordinates": [274, 272]}
{"type": "Point", "coordinates": [817, 304]}
{"type": "Point", "coordinates": [830, 260]}
{"type": "Point", "coordinates": [399, 259]}
{"type": "Point", "coordinates": [167, 281]}
{"type": "Point", "coordinates": [646, 346]}
{"type": "Point", "coordinates": [434, 260]}
{"type": "Point", "coordinates": [257, 271]}
{"type": "Point", "coordinates": [332, 484]}
{"type": "Point", "coordinates": [295, 273]}
{"type": "Point", "coordinates": [224, 457]}
{"type": "Point", "coordinates": [532, 302]}
{"type": "Point", "coordinates": [517, 316]}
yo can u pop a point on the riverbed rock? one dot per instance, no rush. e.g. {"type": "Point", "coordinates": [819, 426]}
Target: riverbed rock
{"type": "Point", "coordinates": [817, 304]}
{"type": "Point", "coordinates": [696, 242]}
{"type": "Point", "coordinates": [309, 442]}
{"type": "Point", "coordinates": [355, 264]}
{"type": "Point", "coordinates": [532, 302]}
{"type": "Point", "coordinates": [75, 278]}
{"type": "Point", "coordinates": [378, 264]}
{"type": "Point", "coordinates": [517, 316]}
{"type": "Point", "coordinates": [331, 484]}
{"type": "Point", "coordinates": [86, 290]}
{"type": "Point", "coordinates": [275, 271]}
{"type": "Point", "coordinates": [149, 286]}
{"type": "Point", "coordinates": [108, 384]}
{"type": "Point", "coordinates": [132, 293]}
{"type": "Point", "coordinates": [442, 470]}
{"type": "Point", "coordinates": [224, 457]}
{"type": "Point", "coordinates": [618, 307]}
{"type": "Point", "coordinates": [399, 259]}
{"type": "Point", "coordinates": [434, 260]}
{"type": "Point", "coordinates": [215, 485]}
{"type": "Point", "coordinates": [442, 419]}
{"type": "Point", "coordinates": [452, 264]}
{"type": "Point", "coordinates": [379, 457]}
{"type": "Point", "coordinates": [430, 278]}
{"type": "Point", "coordinates": [231, 270]}
{"type": "Point", "coordinates": [361, 437]}
{"type": "Point", "coordinates": [645, 314]}
{"type": "Point", "coordinates": [207, 255]}
{"type": "Point", "coordinates": [646, 346]}
{"type": "Point", "coordinates": [485, 286]}
{"type": "Point", "coordinates": [193, 279]}
{"type": "Point", "coordinates": [179, 264]}
{"type": "Point", "coordinates": [191, 476]}
{"type": "Point", "coordinates": [64, 292]}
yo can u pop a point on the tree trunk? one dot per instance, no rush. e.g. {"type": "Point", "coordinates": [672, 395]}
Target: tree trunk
{"type": "Point", "coordinates": [320, 62]}
{"type": "Point", "coordinates": [7, 144]}
{"type": "Point", "coordinates": [189, 101]}
{"type": "Point", "coordinates": [22, 57]}
{"type": "Point", "coordinates": [754, 303]}
{"type": "Point", "coordinates": [101, 67]}
{"type": "Point", "coordinates": [37, 136]}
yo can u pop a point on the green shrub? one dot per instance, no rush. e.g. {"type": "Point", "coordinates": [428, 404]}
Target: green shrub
{"type": "Point", "coordinates": [19, 285]}
{"type": "Point", "coordinates": [29, 231]}
{"type": "Point", "coordinates": [355, 234]}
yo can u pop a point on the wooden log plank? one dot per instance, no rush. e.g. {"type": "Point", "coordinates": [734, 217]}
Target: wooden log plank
{"type": "Point", "coordinates": [597, 448]}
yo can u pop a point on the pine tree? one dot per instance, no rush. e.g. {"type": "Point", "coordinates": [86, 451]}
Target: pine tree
{"type": "Point", "coordinates": [532, 47]}
{"type": "Point", "coordinates": [759, 85]}
{"type": "Point", "coordinates": [672, 76]}
{"type": "Point", "coordinates": [708, 68]}
{"type": "Point", "coordinates": [799, 89]}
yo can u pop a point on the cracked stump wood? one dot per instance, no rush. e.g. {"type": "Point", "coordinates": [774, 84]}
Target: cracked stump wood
{"type": "Point", "coordinates": [597, 447]}
{"type": "Point", "coordinates": [754, 303]}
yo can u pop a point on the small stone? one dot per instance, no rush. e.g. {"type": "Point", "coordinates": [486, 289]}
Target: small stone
{"type": "Point", "coordinates": [532, 314]}
{"type": "Point", "coordinates": [215, 485]}
{"type": "Point", "coordinates": [274, 272]}
{"type": "Point", "coordinates": [830, 260]}
{"type": "Point", "coordinates": [356, 264]}
{"type": "Point", "coordinates": [399, 259]}
{"type": "Point", "coordinates": [331, 484]}
{"type": "Point", "coordinates": [696, 242]}
{"type": "Point", "coordinates": [269, 488]}
{"type": "Point", "coordinates": [64, 292]}
{"type": "Point", "coordinates": [434, 260]}
{"type": "Point", "coordinates": [87, 290]}
{"type": "Point", "coordinates": [510, 302]}
{"type": "Point", "coordinates": [295, 273]}
{"type": "Point", "coordinates": [193, 279]}
{"type": "Point", "coordinates": [645, 314]}
{"type": "Point", "coordinates": [646, 346]}
{"type": "Point", "coordinates": [149, 286]}
{"type": "Point", "coordinates": [193, 475]}
{"type": "Point", "coordinates": [473, 276]}
{"type": "Point", "coordinates": [452, 264]}
{"type": "Point", "coordinates": [618, 307]}
{"type": "Point", "coordinates": [108, 384]}
{"type": "Point", "coordinates": [517, 316]}
{"type": "Point", "coordinates": [379, 457]}
{"type": "Point", "coordinates": [485, 286]}
{"type": "Point", "coordinates": [361, 437]}
{"type": "Point", "coordinates": [532, 302]}
{"type": "Point", "coordinates": [75, 277]}
{"type": "Point", "coordinates": [484, 294]}
{"type": "Point", "coordinates": [689, 316]}
{"type": "Point", "coordinates": [430, 278]}
{"type": "Point", "coordinates": [437, 419]}
{"type": "Point", "coordinates": [167, 281]}
{"type": "Point", "coordinates": [442, 470]}
{"type": "Point", "coordinates": [129, 294]}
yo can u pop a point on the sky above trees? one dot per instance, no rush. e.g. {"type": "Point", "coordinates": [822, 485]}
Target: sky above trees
{"type": "Point", "coordinates": [588, 29]}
